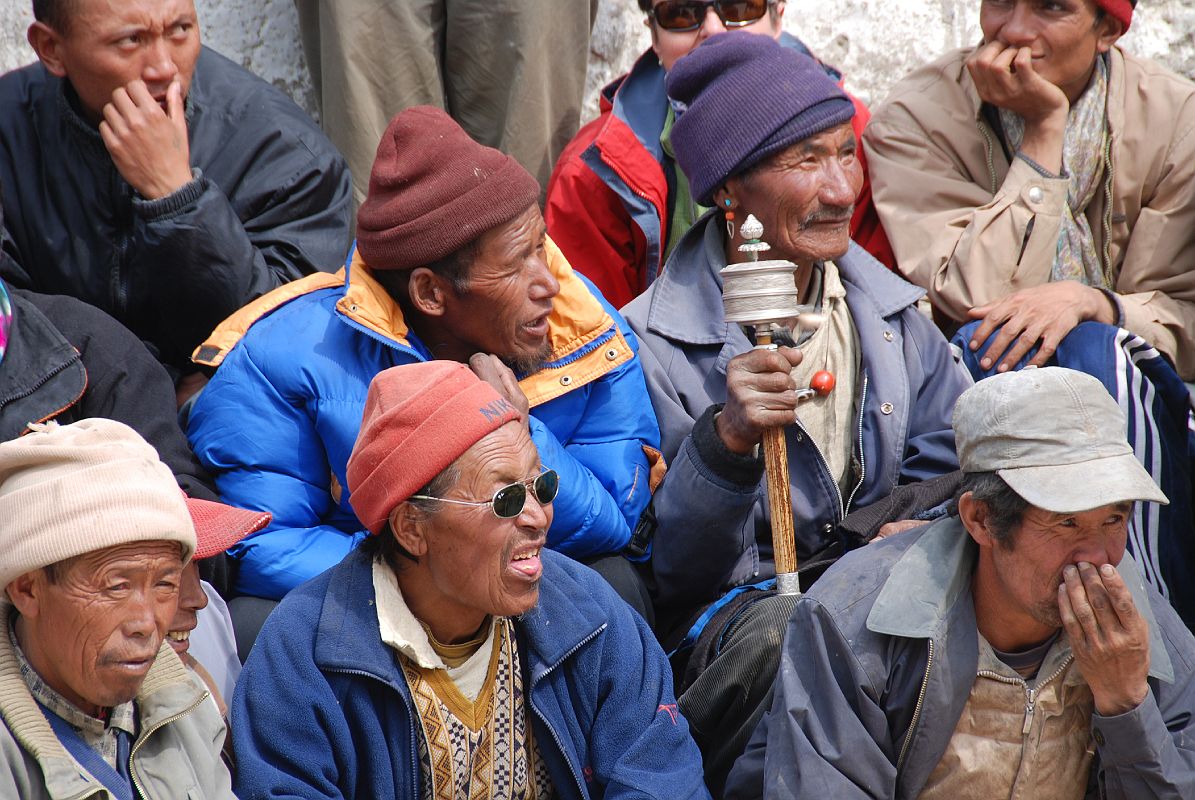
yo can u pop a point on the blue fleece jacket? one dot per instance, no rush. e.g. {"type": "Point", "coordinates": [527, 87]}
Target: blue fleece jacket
{"type": "Point", "coordinates": [322, 709]}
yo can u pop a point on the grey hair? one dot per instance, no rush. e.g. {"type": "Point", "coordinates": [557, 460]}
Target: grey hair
{"type": "Point", "coordinates": [1006, 508]}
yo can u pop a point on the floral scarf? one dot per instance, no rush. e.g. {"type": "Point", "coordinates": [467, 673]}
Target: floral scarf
{"type": "Point", "coordinates": [1086, 135]}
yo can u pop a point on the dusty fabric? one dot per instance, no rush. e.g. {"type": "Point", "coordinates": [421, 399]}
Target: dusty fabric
{"type": "Point", "coordinates": [1083, 167]}
{"type": "Point", "coordinates": [480, 748]}
{"type": "Point", "coordinates": [1002, 749]}
{"type": "Point", "coordinates": [833, 347]}
{"type": "Point", "coordinates": [511, 72]}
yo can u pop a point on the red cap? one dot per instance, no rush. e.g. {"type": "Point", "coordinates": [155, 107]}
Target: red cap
{"type": "Point", "coordinates": [219, 526]}
{"type": "Point", "coordinates": [418, 419]}
{"type": "Point", "coordinates": [1119, 9]}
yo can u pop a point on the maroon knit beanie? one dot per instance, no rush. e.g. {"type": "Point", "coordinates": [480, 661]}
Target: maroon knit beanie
{"type": "Point", "coordinates": [418, 419]}
{"type": "Point", "coordinates": [433, 190]}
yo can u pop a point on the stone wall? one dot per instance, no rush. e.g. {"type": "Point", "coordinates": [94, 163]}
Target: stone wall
{"type": "Point", "coordinates": [874, 42]}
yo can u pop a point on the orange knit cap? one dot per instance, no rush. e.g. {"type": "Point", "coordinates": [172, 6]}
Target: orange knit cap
{"type": "Point", "coordinates": [418, 419]}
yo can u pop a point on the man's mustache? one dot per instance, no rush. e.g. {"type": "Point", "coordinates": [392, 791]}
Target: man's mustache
{"type": "Point", "coordinates": [828, 214]}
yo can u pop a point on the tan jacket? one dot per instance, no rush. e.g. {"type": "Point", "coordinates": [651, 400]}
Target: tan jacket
{"type": "Point", "coordinates": [176, 756]}
{"type": "Point", "coordinates": [971, 228]}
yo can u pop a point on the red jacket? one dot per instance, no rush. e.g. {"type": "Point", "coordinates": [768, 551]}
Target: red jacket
{"type": "Point", "coordinates": [607, 205]}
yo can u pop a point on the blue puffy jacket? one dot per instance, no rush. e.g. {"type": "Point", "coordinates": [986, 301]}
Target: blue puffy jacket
{"type": "Point", "coordinates": [277, 422]}
{"type": "Point", "coordinates": [323, 711]}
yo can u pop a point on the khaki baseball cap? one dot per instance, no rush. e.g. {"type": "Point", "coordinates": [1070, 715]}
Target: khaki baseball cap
{"type": "Point", "coordinates": [1055, 436]}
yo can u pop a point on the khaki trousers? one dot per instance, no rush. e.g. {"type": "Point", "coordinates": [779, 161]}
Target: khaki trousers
{"type": "Point", "coordinates": [511, 72]}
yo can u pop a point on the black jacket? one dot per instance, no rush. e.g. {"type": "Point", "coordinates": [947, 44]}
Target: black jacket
{"type": "Point", "coordinates": [269, 203]}
{"type": "Point", "coordinates": [67, 361]}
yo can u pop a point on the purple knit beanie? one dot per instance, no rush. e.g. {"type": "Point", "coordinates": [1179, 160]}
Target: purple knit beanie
{"type": "Point", "coordinates": [742, 99]}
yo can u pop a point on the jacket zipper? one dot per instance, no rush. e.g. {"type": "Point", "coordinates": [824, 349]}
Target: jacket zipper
{"type": "Point", "coordinates": [862, 462]}
{"type": "Point", "coordinates": [120, 293]}
{"type": "Point", "coordinates": [990, 145]}
{"type": "Point", "coordinates": [825, 468]}
{"type": "Point", "coordinates": [904, 748]}
{"type": "Point", "coordinates": [137, 745]}
{"type": "Point", "coordinates": [1108, 278]}
{"type": "Point", "coordinates": [555, 736]}
{"type": "Point", "coordinates": [1030, 693]}
{"type": "Point", "coordinates": [42, 381]}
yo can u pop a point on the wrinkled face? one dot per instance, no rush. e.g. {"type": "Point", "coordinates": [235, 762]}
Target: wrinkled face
{"type": "Point", "coordinates": [671, 45]}
{"type": "Point", "coordinates": [1029, 569]}
{"type": "Point", "coordinates": [1062, 36]}
{"type": "Point", "coordinates": [804, 196]}
{"type": "Point", "coordinates": [191, 600]}
{"type": "Point", "coordinates": [505, 309]}
{"type": "Point", "coordinates": [93, 634]}
{"type": "Point", "coordinates": [480, 564]}
{"type": "Point", "coordinates": [111, 43]}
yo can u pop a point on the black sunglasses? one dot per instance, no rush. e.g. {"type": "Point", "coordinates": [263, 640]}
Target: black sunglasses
{"type": "Point", "coordinates": [508, 501]}
{"type": "Point", "coordinates": [688, 15]}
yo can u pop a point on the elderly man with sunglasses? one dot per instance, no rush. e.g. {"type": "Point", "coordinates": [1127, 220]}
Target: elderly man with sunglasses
{"type": "Point", "coordinates": [453, 654]}
{"type": "Point", "coordinates": [617, 203]}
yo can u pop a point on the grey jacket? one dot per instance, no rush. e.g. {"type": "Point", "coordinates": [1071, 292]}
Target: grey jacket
{"type": "Point", "coordinates": [176, 755]}
{"type": "Point", "coordinates": [712, 521]}
{"type": "Point", "coordinates": [879, 661]}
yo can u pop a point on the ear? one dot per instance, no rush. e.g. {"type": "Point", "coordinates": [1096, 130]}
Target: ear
{"type": "Point", "coordinates": [1108, 31]}
{"type": "Point", "coordinates": [725, 193]}
{"type": "Point", "coordinates": [25, 592]}
{"type": "Point", "coordinates": [779, 12]}
{"type": "Point", "coordinates": [47, 43]}
{"type": "Point", "coordinates": [974, 516]}
{"type": "Point", "coordinates": [428, 292]}
{"type": "Point", "coordinates": [405, 522]}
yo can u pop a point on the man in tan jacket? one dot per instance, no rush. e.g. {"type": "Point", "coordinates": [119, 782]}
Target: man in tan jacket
{"type": "Point", "coordinates": [1042, 179]}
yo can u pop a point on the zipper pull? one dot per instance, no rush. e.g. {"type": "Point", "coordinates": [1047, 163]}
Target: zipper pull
{"type": "Point", "coordinates": [1030, 701]}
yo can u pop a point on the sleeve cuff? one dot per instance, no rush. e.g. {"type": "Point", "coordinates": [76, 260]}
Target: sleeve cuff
{"type": "Point", "coordinates": [731, 467]}
{"type": "Point", "coordinates": [1039, 169]}
{"type": "Point", "coordinates": [1112, 298]}
{"type": "Point", "coordinates": [1132, 737]}
{"type": "Point", "coordinates": [173, 203]}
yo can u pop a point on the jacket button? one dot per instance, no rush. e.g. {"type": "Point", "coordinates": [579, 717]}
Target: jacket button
{"type": "Point", "coordinates": [353, 307]}
{"type": "Point", "coordinates": [827, 529]}
{"type": "Point", "coordinates": [566, 380]}
{"type": "Point", "coordinates": [1099, 737]}
{"type": "Point", "coordinates": [889, 336]}
{"type": "Point", "coordinates": [885, 408]}
{"type": "Point", "coordinates": [611, 354]}
{"type": "Point", "coordinates": [1036, 195]}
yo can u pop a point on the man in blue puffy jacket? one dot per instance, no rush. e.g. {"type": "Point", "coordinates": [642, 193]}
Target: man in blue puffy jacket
{"type": "Point", "coordinates": [452, 262]}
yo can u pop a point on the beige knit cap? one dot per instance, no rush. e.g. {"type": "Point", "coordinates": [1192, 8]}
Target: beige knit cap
{"type": "Point", "coordinates": [66, 490]}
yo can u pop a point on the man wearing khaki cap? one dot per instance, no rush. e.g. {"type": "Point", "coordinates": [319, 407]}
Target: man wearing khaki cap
{"type": "Point", "coordinates": [94, 535]}
{"type": "Point", "coordinates": [1011, 649]}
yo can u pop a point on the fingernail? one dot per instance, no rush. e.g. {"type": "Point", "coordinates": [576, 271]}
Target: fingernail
{"type": "Point", "coordinates": [1002, 368]}
{"type": "Point", "coordinates": [985, 363]}
{"type": "Point", "coordinates": [1069, 571]}
{"type": "Point", "coordinates": [1107, 570]}
{"type": "Point", "coordinates": [974, 344]}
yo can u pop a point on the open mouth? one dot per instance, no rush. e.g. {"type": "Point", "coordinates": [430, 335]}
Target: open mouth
{"type": "Point", "coordinates": [527, 563]}
{"type": "Point", "coordinates": [179, 640]}
{"type": "Point", "coordinates": [538, 327]}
